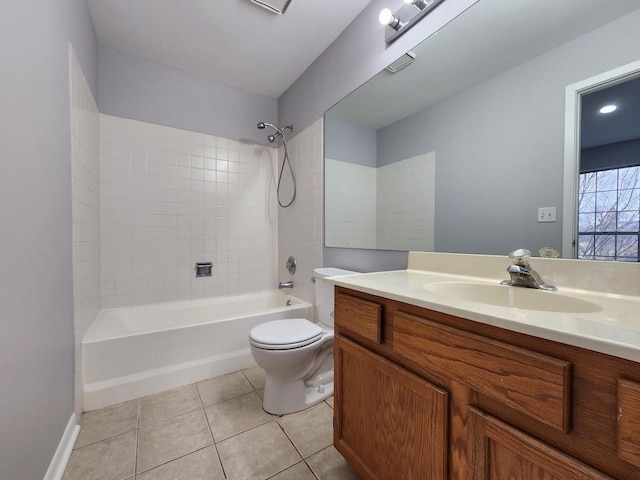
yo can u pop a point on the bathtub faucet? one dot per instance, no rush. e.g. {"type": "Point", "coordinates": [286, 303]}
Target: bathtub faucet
{"type": "Point", "coordinates": [286, 284]}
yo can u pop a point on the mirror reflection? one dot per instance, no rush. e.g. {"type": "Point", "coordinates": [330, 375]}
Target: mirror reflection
{"type": "Point", "coordinates": [459, 150]}
{"type": "Point", "coordinates": [609, 180]}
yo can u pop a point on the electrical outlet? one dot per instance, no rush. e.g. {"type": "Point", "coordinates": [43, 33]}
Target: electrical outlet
{"type": "Point", "coordinates": [546, 214]}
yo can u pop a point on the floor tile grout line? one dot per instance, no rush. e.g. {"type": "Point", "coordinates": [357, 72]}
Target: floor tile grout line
{"type": "Point", "coordinates": [213, 439]}
{"type": "Point", "coordinates": [173, 460]}
{"type": "Point", "coordinates": [135, 453]}
{"type": "Point", "coordinates": [296, 449]}
{"type": "Point", "coordinates": [169, 418]}
{"type": "Point", "coordinates": [255, 389]}
{"type": "Point", "coordinates": [243, 431]}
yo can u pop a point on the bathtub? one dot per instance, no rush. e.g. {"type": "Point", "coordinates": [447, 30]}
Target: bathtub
{"type": "Point", "coordinates": [136, 351]}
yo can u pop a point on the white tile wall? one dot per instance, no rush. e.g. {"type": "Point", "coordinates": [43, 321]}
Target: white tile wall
{"type": "Point", "coordinates": [350, 204]}
{"type": "Point", "coordinates": [300, 225]}
{"type": "Point", "coordinates": [406, 201]}
{"type": "Point", "coordinates": [170, 198]}
{"type": "Point", "coordinates": [85, 172]}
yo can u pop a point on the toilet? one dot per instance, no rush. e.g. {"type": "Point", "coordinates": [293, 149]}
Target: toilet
{"type": "Point", "coordinates": [297, 355]}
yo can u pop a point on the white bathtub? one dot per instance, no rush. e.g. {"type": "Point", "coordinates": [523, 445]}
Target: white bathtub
{"type": "Point", "coordinates": [136, 351]}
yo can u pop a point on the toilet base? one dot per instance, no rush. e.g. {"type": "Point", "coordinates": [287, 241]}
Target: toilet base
{"type": "Point", "coordinates": [283, 397]}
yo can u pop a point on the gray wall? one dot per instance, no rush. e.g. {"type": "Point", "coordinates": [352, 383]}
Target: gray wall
{"type": "Point", "coordinates": [36, 301]}
{"type": "Point", "coordinates": [349, 142]}
{"type": "Point", "coordinates": [500, 145]}
{"type": "Point", "coordinates": [132, 87]}
{"type": "Point", "coordinates": [355, 56]}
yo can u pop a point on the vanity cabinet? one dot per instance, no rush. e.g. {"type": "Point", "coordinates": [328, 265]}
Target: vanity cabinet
{"type": "Point", "coordinates": [392, 423]}
{"type": "Point", "coordinates": [424, 395]}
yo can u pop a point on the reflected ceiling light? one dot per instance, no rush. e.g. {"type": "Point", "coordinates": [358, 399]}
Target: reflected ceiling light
{"type": "Point", "coordinates": [387, 17]}
{"type": "Point", "coordinates": [419, 4]}
{"type": "Point", "coordinates": [608, 108]}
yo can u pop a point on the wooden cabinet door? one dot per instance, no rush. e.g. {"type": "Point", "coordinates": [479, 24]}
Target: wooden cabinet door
{"type": "Point", "coordinates": [389, 423]}
{"type": "Point", "coordinates": [497, 451]}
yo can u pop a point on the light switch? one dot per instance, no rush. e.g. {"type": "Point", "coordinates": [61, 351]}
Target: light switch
{"type": "Point", "coordinates": [546, 214]}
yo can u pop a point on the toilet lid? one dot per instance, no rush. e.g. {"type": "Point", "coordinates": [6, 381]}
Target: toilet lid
{"type": "Point", "coordinates": [285, 334]}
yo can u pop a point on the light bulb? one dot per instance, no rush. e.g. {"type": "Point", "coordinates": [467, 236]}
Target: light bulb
{"type": "Point", "coordinates": [385, 17]}
{"type": "Point", "coordinates": [608, 109]}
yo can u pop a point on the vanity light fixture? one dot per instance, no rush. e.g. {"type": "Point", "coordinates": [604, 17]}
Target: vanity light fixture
{"type": "Point", "coordinates": [405, 17]}
{"type": "Point", "coordinates": [608, 108]}
{"type": "Point", "coordinates": [387, 17]}
{"type": "Point", "coordinates": [419, 4]}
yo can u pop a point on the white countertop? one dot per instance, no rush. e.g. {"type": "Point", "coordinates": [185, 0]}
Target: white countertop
{"type": "Point", "coordinates": [614, 329]}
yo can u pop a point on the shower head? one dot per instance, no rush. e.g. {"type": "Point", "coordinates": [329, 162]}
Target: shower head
{"type": "Point", "coordinates": [272, 138]}
{"type": "Point", "coordinates": [263, 125]}
{"type": "Point", "coordinates": [279, 131]}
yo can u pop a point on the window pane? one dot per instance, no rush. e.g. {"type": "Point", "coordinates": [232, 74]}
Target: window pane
{"type": "Point", "coordinates": [605, 246]}
{"type": "Point", "coordinates": [628, 221]}
{"type": "Point", "coordinates": [629, 177]}
{"type": "Point", "coordinates": [587, 182]}
{"type": "Point", "coordinates": [586, 246]}
{"type": "Point", "coordinates": [629, 199]}
{"type": "Point", "coordinates": [587, 202]}
{"type": "Point", "coordinates": [606, 201]}
{"type": "Point", "coordinates": [627, 246]}
{"type": "Point", "coordinates": [607, 180]}
{"type": "Point", "coordinates": [586, 222]}
{"type": "Point", "coordinates": [606, 221]}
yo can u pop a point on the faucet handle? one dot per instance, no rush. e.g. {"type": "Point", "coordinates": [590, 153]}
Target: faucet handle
{"type": "Point", "coordinates": [520, 257]}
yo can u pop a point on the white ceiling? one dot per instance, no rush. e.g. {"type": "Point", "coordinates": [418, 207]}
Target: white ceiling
{"type": "Point", "coordinates": [231, 41]}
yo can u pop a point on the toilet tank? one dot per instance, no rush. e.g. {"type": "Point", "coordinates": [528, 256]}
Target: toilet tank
{"type": "Point", "coordinates": [324, 293]}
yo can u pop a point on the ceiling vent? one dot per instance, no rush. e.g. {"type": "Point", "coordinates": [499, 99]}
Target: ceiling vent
{"type": "Point", "coordinates": [274, 6]}
{"type": "Point", "coordinates": [406, 59]}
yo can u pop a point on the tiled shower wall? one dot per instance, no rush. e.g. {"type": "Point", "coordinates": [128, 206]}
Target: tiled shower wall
{"type": "Point", "coordinates": [350, 204]}
{"type": "Point", "coordinates": [171, 198]}
{"type": "Point", "coordinates": [300, 225]}
{"type": "Point", "coordinates": [85, 181]}
{"type": "Point", "coordinates": [406, 204]}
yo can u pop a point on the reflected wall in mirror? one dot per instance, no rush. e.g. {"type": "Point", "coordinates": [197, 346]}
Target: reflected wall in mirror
{"type": "Point", "coordinates": [371, 203]}
{"type": "Point", "coordinates": [485, 101]}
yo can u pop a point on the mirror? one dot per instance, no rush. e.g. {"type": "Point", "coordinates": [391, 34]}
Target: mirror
{"type": "Point", "coordinates": [464, 145]}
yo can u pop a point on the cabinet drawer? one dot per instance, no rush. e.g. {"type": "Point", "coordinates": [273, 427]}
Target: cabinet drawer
{"type": "Point", "coordinates": [359, 316]}
{"type": "Point", "coordinates": [534, 384]}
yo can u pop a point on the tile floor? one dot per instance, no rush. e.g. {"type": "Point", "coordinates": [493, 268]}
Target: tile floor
{"type": "Point", "coordinates": [211, 430]}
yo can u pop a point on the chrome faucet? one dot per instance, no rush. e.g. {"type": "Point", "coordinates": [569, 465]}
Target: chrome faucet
{"type": "Point", "coordinates": [522, 275]}
{"type": "Point", "coordinates": [286, 284]}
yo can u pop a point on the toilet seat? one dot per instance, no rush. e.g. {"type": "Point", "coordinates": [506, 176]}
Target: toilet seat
{"type": "Point", "coordinates": [285, 334]}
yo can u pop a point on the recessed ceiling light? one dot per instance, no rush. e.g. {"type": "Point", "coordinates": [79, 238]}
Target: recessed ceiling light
{"type": "Point", "coordinates": [608, 109]}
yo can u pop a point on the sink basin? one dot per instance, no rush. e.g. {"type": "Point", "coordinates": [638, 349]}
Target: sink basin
{"type": "Point", "coordinates": [513, 297]}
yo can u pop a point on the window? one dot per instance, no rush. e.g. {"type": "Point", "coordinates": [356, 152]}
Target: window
{"type": "Point", "coordinates": [609, 214]}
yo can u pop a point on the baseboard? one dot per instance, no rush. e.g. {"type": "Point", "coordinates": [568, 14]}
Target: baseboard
{"type": "Point", "coordinates": [63, 452]}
